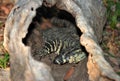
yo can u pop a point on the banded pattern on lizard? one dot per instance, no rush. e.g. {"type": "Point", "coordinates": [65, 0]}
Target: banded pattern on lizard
{"type": "Point", "coordinates": [66, 52]}
{"type": "Point", "coordinates": [63, 40]}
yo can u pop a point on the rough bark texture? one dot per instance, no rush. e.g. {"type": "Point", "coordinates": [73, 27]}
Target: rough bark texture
{"type": "Point", "coordinates": [4, 75]}
{"type": "Point", "coordinates": [90, 18]}
{"type": "Point", "coordinates": [23, 67]}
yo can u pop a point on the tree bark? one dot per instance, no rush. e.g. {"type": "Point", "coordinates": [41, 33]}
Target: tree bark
{"type": "Point", "coordinates": [90, 19]}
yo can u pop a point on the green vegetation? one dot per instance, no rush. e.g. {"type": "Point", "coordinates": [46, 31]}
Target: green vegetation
{"type": "Point", "coordinates": [4, 58]}
{"type": "Point", "coordinates": [118, 73]}
{"type": "Point", "coordinates": [113, 11]}
{"type": "Point", "coordinates": [0, 24]}
{"type": "Point", "coordinates": [4, 61]}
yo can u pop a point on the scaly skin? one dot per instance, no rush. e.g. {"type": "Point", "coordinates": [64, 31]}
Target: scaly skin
{"type": "Point", "coordinates": [62, 40]}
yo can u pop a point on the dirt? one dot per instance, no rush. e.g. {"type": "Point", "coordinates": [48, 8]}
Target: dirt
{"type": "Point", "coordinates": [111, 46]}
{"type": "Point", "coordinates": [59, 71]}
{"type": "Point", "coordinates": [5, 9]}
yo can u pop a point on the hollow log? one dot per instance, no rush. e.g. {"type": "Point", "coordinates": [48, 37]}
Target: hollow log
{"type": "Point", "coordinates": [90, 18]}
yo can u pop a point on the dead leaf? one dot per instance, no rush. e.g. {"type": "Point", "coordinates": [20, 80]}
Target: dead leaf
{"type": "Point", "coordinates": [5, 9]}
{"type": "Point", "coordinates": [113, 48]}
{"type": "Point", "coordinates": [1, 37]}
{"type": "Point", "coordinates": [69, 73]}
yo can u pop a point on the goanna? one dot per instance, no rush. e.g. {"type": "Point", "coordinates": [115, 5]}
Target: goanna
{"type": "Point", "coordinates": [63, 40]}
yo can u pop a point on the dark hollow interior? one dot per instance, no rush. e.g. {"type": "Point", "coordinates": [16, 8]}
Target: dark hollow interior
{"type": "Point", "coordinates": [35, 40]}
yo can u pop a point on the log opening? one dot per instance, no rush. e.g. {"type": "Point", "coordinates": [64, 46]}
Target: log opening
{"type": "Point", "coordinates": [55, 25]}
